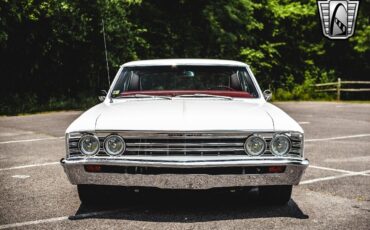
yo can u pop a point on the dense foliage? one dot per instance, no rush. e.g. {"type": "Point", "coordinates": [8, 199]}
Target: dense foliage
{"type": "Point", "coordinates": [52, 52]}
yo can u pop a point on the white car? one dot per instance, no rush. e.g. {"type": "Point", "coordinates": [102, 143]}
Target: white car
{"type": "Point", "coordinates": [185, 124]}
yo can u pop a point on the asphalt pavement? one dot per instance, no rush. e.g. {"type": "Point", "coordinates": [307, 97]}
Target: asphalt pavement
{"type": "Point", "coordinates": [334, 192]}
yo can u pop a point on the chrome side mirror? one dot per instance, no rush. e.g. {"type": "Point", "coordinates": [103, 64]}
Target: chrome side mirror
{"type": "Point", "coordinates": [102, 95]}
{"type": "Point", "coordinates": [267, 94]}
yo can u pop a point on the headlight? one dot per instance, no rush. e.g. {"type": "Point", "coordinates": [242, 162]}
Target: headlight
{"type": "Point", "coordinates": [280, 145]}
{"type": "Point", "coordinates": [89, 145]}
{"type": "Point", "coordinates": [114, 145]}
{"type": "Point", "coordinates": [255, 145]}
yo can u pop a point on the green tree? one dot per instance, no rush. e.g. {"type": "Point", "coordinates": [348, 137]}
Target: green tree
{"type": "Point", "coordinates": [52, 52]}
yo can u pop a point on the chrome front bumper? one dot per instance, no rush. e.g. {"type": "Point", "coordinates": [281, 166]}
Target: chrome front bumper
{"type": "Point", "coordinates": [74, 168]}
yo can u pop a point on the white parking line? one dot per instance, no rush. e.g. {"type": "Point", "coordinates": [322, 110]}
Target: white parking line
{"type": "Point", "coordinates": [62, 218]}
{"type": "Point", "coordinates": [30, 166]}
{"type": "Point", "coordinates": [54, 163]}
{"type": "Point", "coordinates": [57, 162]}
{"type": "Point", "coordinates": [339, 138]}
{"type": "Point", "coordinates": [43, 221]}
{"type": "Point", "coordinates": [304, 122]}
{"type": "Point", "coordinates": [330, 169]}
{"type": "Point", "coordinates": [308, 140]}
{"type": "Point", "coordinates": [363, 173]}
{"type": "Point", "coordinates": [30, 140]}
{"type": "Point", "coordinates": [21, 176]}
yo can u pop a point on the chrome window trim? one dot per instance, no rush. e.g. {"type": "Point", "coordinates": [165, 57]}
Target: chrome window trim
{"type": "Point", "coordinates": [124, 68]}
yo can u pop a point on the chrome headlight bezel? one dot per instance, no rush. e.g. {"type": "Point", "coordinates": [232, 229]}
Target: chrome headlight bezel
{"type": "Point", "coordinates": [81, 149]}
{"type": "Point", "coordinates": [275, 137]}
{"type": "Point", "coordinates": [255, 136]}
{"type": "Point", "coordinates": [109, 152]}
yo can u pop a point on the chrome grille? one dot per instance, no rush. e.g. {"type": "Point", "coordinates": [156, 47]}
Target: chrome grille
{"type": "Point", "coordinates": [180, 144]}
{"type": "Point", "coordinates": [186, 146]}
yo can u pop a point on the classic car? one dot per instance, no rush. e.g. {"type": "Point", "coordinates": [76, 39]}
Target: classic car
{"type": "Point", "coordinates": [185, 124]}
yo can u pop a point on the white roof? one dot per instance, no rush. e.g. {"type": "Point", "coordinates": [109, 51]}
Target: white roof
{"type": "Point", "coordinates": [173, 62]}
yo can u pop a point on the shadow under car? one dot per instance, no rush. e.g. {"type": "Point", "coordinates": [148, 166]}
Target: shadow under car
{"type": "Point", "coordinates": [168, 205]}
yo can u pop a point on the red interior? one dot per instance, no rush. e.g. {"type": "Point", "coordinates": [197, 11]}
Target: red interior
{"type": "Point", "coordinates": [173, 93]}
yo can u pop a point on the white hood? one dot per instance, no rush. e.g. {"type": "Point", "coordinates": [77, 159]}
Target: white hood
{"type": "Point", "coordinates": [188, 114]}
{"type": "Point", "coordinates": [184, 115]}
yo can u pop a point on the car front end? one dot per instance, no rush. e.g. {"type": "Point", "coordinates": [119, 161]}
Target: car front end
{"type": "Point", "coordinates": [187, 160]}
{"type": "Point", "coordinates": [185, 124]}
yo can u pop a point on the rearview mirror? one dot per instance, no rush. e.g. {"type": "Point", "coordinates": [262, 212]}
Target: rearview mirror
{"type": "Point", "coordinates": [102, 95]}
{"type": "Point", "coordinates": [267, 94]}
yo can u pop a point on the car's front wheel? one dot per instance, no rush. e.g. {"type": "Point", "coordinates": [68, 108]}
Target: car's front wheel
{"type": "Point", "coordinates": [277, 194]}
{"type": "Point", "coordinates": [89, 194]}
{"type": "Point", "coordinates": [97, 194]}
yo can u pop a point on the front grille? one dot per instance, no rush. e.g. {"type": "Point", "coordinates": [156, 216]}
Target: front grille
{"type": "Point", "coordinates": [183, 144]}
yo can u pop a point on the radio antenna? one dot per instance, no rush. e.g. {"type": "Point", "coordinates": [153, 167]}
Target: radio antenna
{"type": "Point", "coordinates": [106, 53]}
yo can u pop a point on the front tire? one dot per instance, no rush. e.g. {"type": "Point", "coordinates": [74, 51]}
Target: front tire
{"type": "Point", "coordinates": [89, 194]}
{"type": "Point", "coordinates": [277, 194]}
{"type": "Point", "coordinates": [96, 194]}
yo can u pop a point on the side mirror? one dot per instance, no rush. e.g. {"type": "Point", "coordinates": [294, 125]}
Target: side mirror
{"type": "Point", "coordinates": [102, 95]}
{"type": "Point", "coordinates": [267, 94]}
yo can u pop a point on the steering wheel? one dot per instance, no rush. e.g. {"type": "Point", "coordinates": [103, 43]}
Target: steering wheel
{"type": "Point", "coordinates": [221, 87]}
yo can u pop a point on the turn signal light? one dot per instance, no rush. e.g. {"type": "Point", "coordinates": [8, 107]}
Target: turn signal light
{"type": "Point", "coordinates": [92, 168]}
{"type": "Point", "coordinates": [276, 169]}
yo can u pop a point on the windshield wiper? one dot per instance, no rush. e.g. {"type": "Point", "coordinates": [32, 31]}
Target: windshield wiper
{"type": "Point", "coordinates": [204, 95]}
{"type": "Point", "coordinates": [137, 95]}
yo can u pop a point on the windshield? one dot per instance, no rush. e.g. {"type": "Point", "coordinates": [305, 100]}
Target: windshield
{"type": "Point", "coordinates": [185, 80]}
